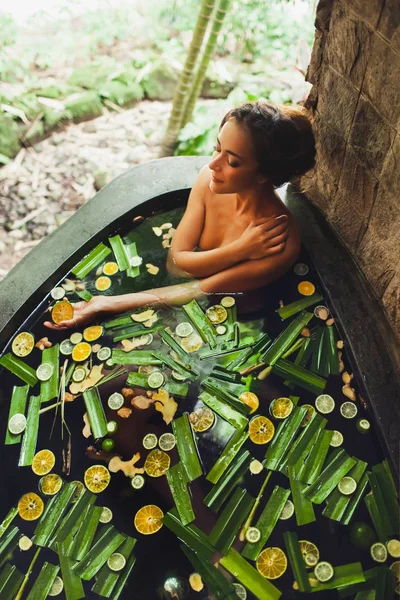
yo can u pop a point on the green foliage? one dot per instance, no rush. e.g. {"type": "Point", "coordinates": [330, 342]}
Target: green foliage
{"type": "Point", "coordinates": [121, 94]}
{"type": "Point", "coordinates": [94, 75]}
{"type": "Point", "coordinates": [84, 106]}
{"type": "Point", "coordinates": [9, 142]}
{"type": "Point", "coordinates": [198, 136]}
{"type": "Point", "coordinates": [8, 29]}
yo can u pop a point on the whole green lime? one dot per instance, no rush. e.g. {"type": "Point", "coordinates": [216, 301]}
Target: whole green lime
{"type": "Point", "coordinates": [112, 427]}
{"type": "Point", "coordinates": [362, 535]}
{"type": "Point", "coordinates": [107, 445]}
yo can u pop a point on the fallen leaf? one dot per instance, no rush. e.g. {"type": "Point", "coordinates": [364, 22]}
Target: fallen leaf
{"type": "Point", "coordinates": [143, 316]}
{"type": "Point", "coordinates": [126, 466]}
{"type": "Point", "coordinates": [157, 231]}
{"type": "Point", "coordinates": [94, 377]}
{"type": "Point", "coordinates": [86, 431]}
{"type": "Point", "coordinates": [166, 405]}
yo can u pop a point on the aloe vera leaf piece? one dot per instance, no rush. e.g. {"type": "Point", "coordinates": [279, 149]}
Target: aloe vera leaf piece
{"type": "Point", "coordinates": [249, 577]}
{"type": "Point", "coordinates": [267, 521]}
{"type": "Point", "coordinates": [366, 595]}
{"type": "Point", "coordinates": [376, 518]}
{"type": "Point", "coordinates": [337, 502]}
{"type": "Point", "coordinates": [85, 535]}
{"type": "Point", "coordinates": [223, 393]}
{"type": "Point", "coordinates": [286, 338]}
{"type": "Point", "coordinates": [17, 366]}
{"type": "Point", "coordinates": [49, 388]}
{"type": "Point", "coordinates": [175, 366]}
{"type": "Point", "coordinates": [84, 295]}
{"type": "Point", "coordinates": [235, 418]}
{"type": "Point", "coordinates": [220, 492]}
{"type": "Point", "coordinates": [71, 522]}
{"type": "Point", "coordinates": [201, 322]}
{"type": "Point", "coordinates": [120, 252]}
{"type": "Point", "coordinates": [43, 582]}
{"type": "Point", "coordinates": [12, 513]}
{"type": "Point", "coordinates": [191, 535]}
{"type": "Point", "coordinates": [227, 455]}
{"type": "Point", "coordinates": [10, 581]}
{"type": "Point", "coordinates": [131, 251]}
{"type": "Point", "coordinates": [299, 376]}
{"type": "Point", "coordinates": [283, 438]}
{"type": "Point", "coordinates": [186, 446]}
{"type": "Point", "coordinates": [217, 584]}
{"type": "Point", "coordinates": [259, 346]}
{"type": "Point", "coordinates": [383, 480]}
{"type": "Point", "coordinates": [94, 258]}
{"type": "Point", "coordinates": [177, 481]}
{"type": "Point", "coordinates": [329, 478]}
{"type": "Point", "coordinates": [96, 414]}
{"type": "Point", "coordinates": [298, 305]}
{"type": "Point", "coordinates": [314, 462]}
{"type": "Point", "coordinates": [106, 579]}
{"type": "Point", "coordinates": [133, 331]}
{"type": "Point", "coordinates": [369, 583]}
{"type": "Point", "coordinates": [301, 359]}
{"type": "Point", "coordinates": [332, 351]}
{"type": "Point", "coordinates": [17, 406]}
{"type": "Point", "coordinates": [174, 345]}
{"type": "Point", "coordinates": [381, 504]}
{"type": "Point", "coordinates": [121, 321]}
{"type": "Point", "coordinates": [296, 561]}
{"type": "Point", "coordinates": [141, 380]}
{"type": "Point", "coordinates": [222, 350]}
{"type": "Point", "coordinates": [123, 578]}
{"type": "Point", "coordinates": [324, 363]}
{"type": "Point", "coordinates": [73, 588]}
{"type": "Point", "coordinates": [349, 574]}
{"type": "Point", "coordinates": [134, 357]}
{"type": "Point", "coordinates": [99, 553]}
{"type": "Point", "coordinates": [8, 543]}
{"type": "Point", "coordinates": [302, 444]}
{"type": "Point", "coordinates": [52, 515]}
{"type": "Point", "coordinates": [230, 520]}
{"type": "Point", "coordinates": [385, 584]}
{"type": "Point", "coordinates": [355, 500]}
{"type": "Point", "coordinates": [29, 440]}
{"type": "Point", "coordinates": [302, 505]}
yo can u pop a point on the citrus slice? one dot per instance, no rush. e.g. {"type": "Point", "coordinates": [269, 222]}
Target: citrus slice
{"type": "Point", "coordinates": [57, 293]}
{"type": "Point", "coordinates": [110, 268]}
{"type": "Point", "coordinates": [307, 548]}
{"type": "Point", "coordinates": [167, 441]}
{"type": "Point", "coordinates": [363, 425]}
{"type": "Point", "coordinates": [321, 312]}
{"type": "Point", "coordinates": [202, 419]}
{"type": "Point", "coordinates": [43, 462]}
{"type": "Point", "coordinates": [76, 337]}
{"type": "Point", "coordinates": [102, 283]}
{"type": "Point", "coordinates": [196, 582]}
{"type": "Point", "coordinates": [148, 519]}
{"type": "Point", "coordinates": [157, 463]}
{"type": "Point", "coordinates": [228, 302]}
{"type": "Point", "coordinates": [30, 507]}
{"type": "Point", "coordinates": [348, 410]}
{"type": "Point", "coordinates": [104, 353]}
{"type": "Point", "coordinates": [149, 441]}
{"type": "Point", "coordinates": [97, 478]}
{"type": "Point", "coordinates": [240, 591]}
{"type": "Point", "coordinates": [309, 414]}
{"type": "Point", "coordinates": [217, 314]}
{"type": "Point", "coordinates": [323, 571]}
{"type": "Point", "coordinates": [44, 371]}
{"type": "Point", "coordinates": [81, 352]}
{"type": "Point", "coordinates": [261, 430]}
{"type": "Point", "coordinates": [337, 439]}
{"type": "Point", "coordinates": [112, 427]}
{"type": "Point", "coordinates": [300, 269]}
{"type": "Point", "coordinates": [116, 562]}
{"type": "Point", "coordinates": [17, 424]}
{"type": "Point", "coordinates": [90, 334]}
{"type": "Point", "coordinates": [50, 484]}
{"type": "Point", "coordinates": [378, 552]}
{"type": "Point", "coordinates": [23, 344]}
{"type": "Point", "coordinates": [62, 311]}
{"type": "Point", "coordinates": [148, 369]}
{"type": "Point", "coordinates": [395, 567]}
{"type": "Point", "coordinates": [347, 486]}
{"type": "Point", "coordinates": [324, 404]}
{"type": "Point", "coordinates": [306, 288]}
{"type": "Point", "coordinates": [251, 400]}
{"type": "Point", "coordinates": [178, 376]}
{"type": "Point", "coordinates": [281, 408]}
{"type": "Point", "coordinates": [287, 511]}
{"type": "Point", "coordinates": [155, 380]}
{"type": "Point", "coordinates": [57, 587]}
{"type": "Point", "coordinates": [192, 343]}
{"type": "Point", "coordinates": [115, 401]}
{"type": "Point", "coordinates": [184, 329]}
{"type": "Point", "coordinates": [271, 563]}
{"type": "Point", "coordinates": [79, 488]}
{"type": "Point", "coordinates": [253, 535]}
{"type": "Point", "coordinates": [25, 543]}
{"type": "Point", "coordinates": [79, 374]}
{"type": "Point", "coordinates": [221, 330]}
{"type": "Point", "coordinates": [256, 467]}
{"type": "Point", "coordinates": [66, 347]}
{"type": "Point", "coordinates": [137, 482]}
{"type": "Point", "coordinates": [393, 548]}
{"type": "Point", "coordinates": [106, 515]}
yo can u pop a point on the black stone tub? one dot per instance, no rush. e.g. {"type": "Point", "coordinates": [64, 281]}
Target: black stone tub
{"type": "Point", "coordinates": [160, 565]}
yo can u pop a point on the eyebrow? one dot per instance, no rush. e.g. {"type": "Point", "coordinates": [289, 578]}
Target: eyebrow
{"type": "Point", "coordinates": [230, 151]}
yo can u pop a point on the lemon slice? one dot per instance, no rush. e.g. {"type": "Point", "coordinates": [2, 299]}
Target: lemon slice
{"type": "Point", "coordinates": [57, 293]}
{"type": "Point", "coordinates": [251, 400]}
{"type": "Point", "coordinates": [281, 408]}
{"type": "Point", "coordinates": [307, 549]}
{"type": "Point", "coordinates": [300, 269]}
{"type": "Point", "coordinates": [337, 439]}
{"type": "Point", "coordinates": [137, 482]}
{"type": "Point", "coordinates": [348, 410]}
{"type": "Point", "coordinates": [50, 484]}
{"type": "Point", "coordinates": [253, 535]}
{"type": "Point", "coordinates": [261, 430]}
{"type": "Point", "coordinates": [240, 591]}
{"type": "Point", "coordinates": [202, 419]}
{"type": "Point", "coordinates": [192, 343]}
{"type": "Point", "coordinates": [102, 283]}
{"type": "Point", "coordinates": [148, 519]}
{"type": "Point", "coordinates": [157, 463]}
{"type": "Point", "coordinates": [30, 507]}
{"type": "Point", "coordinates": [363, 425]}
{"type": "Point", "coordinates": [62, 311]}
{"type": "Point", "coordinates": [43, 462]}
{"type": "Point", "coordinates": [97, 478]}
{"type": "Point", "coordinates": [324, 404]}
{"type": "Point", "coordinates": [393, 548]}
{"type": "Point", "coordinates": [81, 352]}
{"type": "Point", "coordinates": [306, 288]}
{"type": "Point", "coordinates": [93, 333]}
{"type": "Point", "coordinates": [287, 510]}
{"type": "Point", "coordinates": [44, 371]}
{"type": "Point", "coordinates": [256, 467]}
{"type": "Point", "coordinates": [76, 337]}
{"type": "Point", "coordinates": [184, 329]}
{"type": "Point", "coordinates": [271, 563]}
{"type": "Point", "coordinates": [347, 486]}
{"type": "Point", "coordinates": [110, 268]}
{"type": "Point", "coordinates": [217, 314]}
{"type": "Point", "coordinates": [115, 401]}
{"type": "Point", "coordinates": [23, 344]}
{"type": "Point", "coordinates": [25, 543]}
{"type": "Point", "coordinates": [155, 380]}
{"type": "Point", "coordinates": [66, 347]}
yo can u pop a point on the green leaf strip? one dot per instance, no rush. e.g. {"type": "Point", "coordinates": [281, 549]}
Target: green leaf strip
{"type": "Point", "coordinates": [283, 439]}
{"type": "Point", "coordinates": [299, 376]}
{"type": "Point", "coordinates": [383, 481]}
{"type": "Point", "coordinates": [49, 388]}
{"type": "Point", "coordinates": [8, 519]}
{"type": "Point", "coordinates": [223, 392]}
{"type": "Point", "coordinates": [141, 380]}
{"type": "Point", "coordinates": [99, 553]}
{"type": "Point", "coordinates": [123, 578]}
{"type": "Point", "coordinates": [302, 505]}
{"type": "Point", "coordinates": [227, 455]}
{"type": "Point", "coordinates": [216, 583]}
{"type": "Point", "coordinates": [17, 366]}
{"type": "Point", "coordinates": [85, 535]}
{"type": "Point", "coordinates": [330, 477]}
{"type": "Point", "coordinates": [337, 502]}
{"type": "Point", "coordinates": [295, 307]}
{"type": "Point", "coordinates": [10, 581]}
{"type": "Point", "coordinates": [84, 295]}
{"type": "Point", "coordinates": [73, 588]}
{"type": "Point", "coordinates": [120, 252]}
{"type": "Point", "coordinates": [349, 574]}
{"type": "Point", "coordinates": [222, 490]}
{"type": "Point", "coordinates": [94, 258]}
{"type": "Point", "coordinates": [8, 543]}
{"type": "Point", "coordinates": [303, 444]}
{"type": "Point", "coordinates": [175, 366]}
{"type": "Point", "coordinates": [355, 500]}
{"type": "Point", "coordinates": [186, 446]}
{"type": "Point", "coordinates": [200, 321]}
{"type": "Point", "coordinates": [52, 515]}
{"type": "Point", "coordinates": [313, 464]}
{"type": "Point", "coordinates": [177, 481]}
{"type": "Point", "coordinates": [134, 357]}
{"type": "Point", "coordinates": [296, 561]}
{"type": "Point", "coordinates": [28, 446]}
{"type": "Point", "coordinates": [133, 331]}
{"type": "Point", "coordinates": [17, 406]}
{"type": "Point", "coordinates": [71, 522]}
{"type": "Point", "coordinates": [249, 577]}
{"type": "Point", "coordinates": [43, 582]}
{"type": "Point", "coordinates": [235, 418]}
{"type": "Point", "coordinates": [260, 346]}
{"type": "Point", "coordinates": [174, 345]}
{"type": "Point", "coordinates": [231, 520]}
{"type": "Point", "coordinates": [131, 251]}
{"type": "Point", "coordinates": [191, 535]}
{"type": "Point", "coordinates": [106, 579]}
{"type": "Point", "coordinates": [96, 414]}
{"type": "Point", "coordinates": [286, 338]}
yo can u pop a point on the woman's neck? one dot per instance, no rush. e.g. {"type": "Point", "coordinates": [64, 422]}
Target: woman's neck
{"type": "Point", "coordinates": [255, 199]}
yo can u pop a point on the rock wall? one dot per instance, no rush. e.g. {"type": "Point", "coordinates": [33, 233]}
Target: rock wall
{"type": "Point", "coordinates": [355, 99]}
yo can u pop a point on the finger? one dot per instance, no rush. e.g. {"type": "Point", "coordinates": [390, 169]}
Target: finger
{"type": "Point", "coordinates": [276, 249]}
{"type": "Point", "coordinates": [54, 326]}
{"type": "Point", "coordinates": [271, 232]}
{"type": "Point", "coordinates": [274, 240]}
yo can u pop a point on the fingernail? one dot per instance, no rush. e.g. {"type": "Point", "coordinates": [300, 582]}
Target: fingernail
{"type": "Point", "coordinates": [282, 217]}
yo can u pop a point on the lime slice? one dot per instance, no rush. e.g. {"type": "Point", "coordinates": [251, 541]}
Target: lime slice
{"type": "Point", "coordinates": [253, 535]}
{"type": "Point", "coordinates": [155, 380]}
{"type": "Point", "coordinates": [363, 425]}
{"type": "Point", "coordinates": [116, 562]}
{"type": "Point", "coordinates": [347, 486]}
{"type": "Point", "coordinates": [115, 401]}
{"type": "Point", "coordinates": [184, 329]}
{"type": "Point", "coordinates": [149, 441]}
{"type": "Point", "coordinates": [25, 543]}
{"type": "Point", "coordinates": [378, 552]}
{"type": "Point", "coordinates": [57, 293]}
{"type": "Point", "coordinates": [217, 314]}
{"type": "Point", "coordinates": [324, 404]}
{"type": "Point", "coordinates": [192, 343]}
{"type": "Point", "coordinates": [76, 337]}
{"type": "Point", "coordinates": [79, 374]}
{"type": "Point", "coordinates": [228, 302]}
{"type": "Point", "coordinates": [23, 344]}
{"type": "Point", "coordinates": [104, 353]}
{"type": "Point", "coordinates": [337, 439]}
{"type": "Point", "coordinates": [177, 376]}
{"type": "Point", "coordinates": [57, 587]}
{"type": "Point", "coordinates": [393, 548]}
{"type": "Point", "coordinates": [311, 559]}
{"type": "Point", "coordinates": [112, 427]}
{"type": "Point", "coordinates": [287, 510]}
{"type": "Point", "coordinates": [240, 591]}
{"type": "Point", "coordinates": [66, 347]}
{"type": "Point", "coordinates": [323, 571]}
{"type": "Point", "coordinates": [137, 482]}
{"type": "Point", "coordinates": [17, 424]}
{"type": "Point", "coordinates": [348, 410]}
{"type": "Point", "coordinates": [300, 269]}
{"type": "Point", "coordinates": [106, 515]}
{"type": "Point", "coordinates": [44, 371]}
{"type": "Point", "coordinates": [256, 467]}
{"type": "Point", "coordinates": [167, 441]}
{"type": "Point", "coordinates": [221, 330]}
{"type": "Point", "coordinates": [307, 548]}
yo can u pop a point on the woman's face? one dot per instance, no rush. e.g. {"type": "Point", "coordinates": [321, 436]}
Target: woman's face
{"type": "Point", "coordinates": [234, 167]}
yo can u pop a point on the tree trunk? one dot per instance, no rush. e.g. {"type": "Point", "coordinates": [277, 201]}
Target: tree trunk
{"type": "Point", "coordinates": [207, 55]}
{"type": "Point", "coordinates": [186, 78]}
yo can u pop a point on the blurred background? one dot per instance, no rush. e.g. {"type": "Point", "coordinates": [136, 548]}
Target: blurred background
{"type": "Point", "coordinates": [87, 89]}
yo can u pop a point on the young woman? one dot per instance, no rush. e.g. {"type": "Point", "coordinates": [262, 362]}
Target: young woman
{"type": "Point", "coordinates": [236, 235]}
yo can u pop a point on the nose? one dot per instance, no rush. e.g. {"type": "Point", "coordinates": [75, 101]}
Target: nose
{"type": "Point", "coordinates": [214, 163]}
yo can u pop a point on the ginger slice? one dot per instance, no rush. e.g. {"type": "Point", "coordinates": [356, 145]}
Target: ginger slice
{"type": "Point", "coordinates": [126, 466]}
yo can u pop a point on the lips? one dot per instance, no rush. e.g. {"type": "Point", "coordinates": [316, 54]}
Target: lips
{"type": "Point", "coordinates": [215, 180]}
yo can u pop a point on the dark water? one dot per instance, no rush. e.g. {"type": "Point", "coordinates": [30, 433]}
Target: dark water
{"type": "Point", "coordinates": [159, 556]}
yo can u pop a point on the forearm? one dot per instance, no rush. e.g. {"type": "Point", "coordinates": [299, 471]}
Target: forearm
{"type": "Point", "coordinates": [208, 262]}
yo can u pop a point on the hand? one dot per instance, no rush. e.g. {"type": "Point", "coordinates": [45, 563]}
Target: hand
{"type": "Point", "coordinates": [265, 237]}
{"type": "Point", "coordinates": [84, 312]}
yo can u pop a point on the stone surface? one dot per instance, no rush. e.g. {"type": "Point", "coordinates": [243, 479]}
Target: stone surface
{"type": "Point", "coordinates": [390, 174]}
{"type": "Point", "coordinates": [389, 23]}
{"type": "Point", "coordinates": [331, 149]}
{"type": "Point", "coordinates": [347, 222]}
{"type": "Point", "coordinates": [357, 184]}
{"type": "Point", "coordinates": [368, 10]}
{"type": "Point", "coordinates": [337, 101]}
{"type": "Point", "coordinates": [391, 301]}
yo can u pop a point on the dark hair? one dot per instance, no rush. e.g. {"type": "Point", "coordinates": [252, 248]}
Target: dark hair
{"type": "Point", "coordinates": [282, 136]}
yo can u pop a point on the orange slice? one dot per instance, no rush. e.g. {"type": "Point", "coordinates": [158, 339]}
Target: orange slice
{"type": "Point", "coordinates": [251, 400]}
{"type": "Point", "coordinates": [202, 419]}
{"type": "Point", "coordinates": [30, 507]}
{"type": "Point", "coordinates": [308, 416]}
{"type": "Point", "coordinates": [271, 563]}
{"type": "Point", "coordinates": [102, 283]}
{"type": "Point", "coordinates": [110, 268]}
{"type": "Point", "coordinates": [23, 344]}
{"type": "Point", "coordinates": [261, 430]}
{"type": "Point", "coordinates": [90, 334]}
{"type": "Point", "coordinates": [81, 352]}
{"type": "Point", "coordinates": [50, 484]}
{"type": "Point", "coordinates": [157, 463]}
{"type": "Point", "coordinates": [62, 311]}
{"type": "Point", "coordinates": [148, 519]}
{"type": "Point", "coordinates": [281, 408]}
{"type": "Point", "coordinates": [306, 288]}
{"type": "Point", "coordinates": [43, 462]}
{"type": "Point", "coordinates": [97, 478]}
